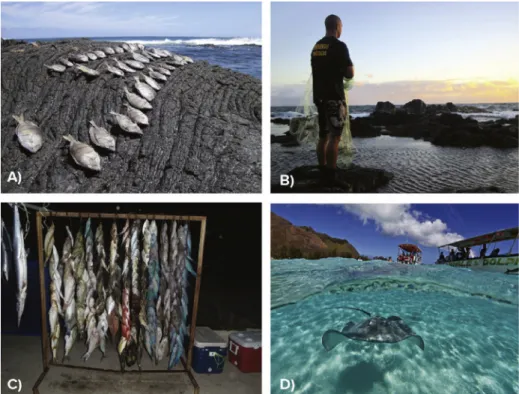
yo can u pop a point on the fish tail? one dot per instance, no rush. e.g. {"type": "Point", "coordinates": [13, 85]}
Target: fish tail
{"type": "Point", "coordinates": [93, 123]}
{"type": "Point", "coordinates": [19, 119]}
{"type": "Point", "coordinates": [68, 138]}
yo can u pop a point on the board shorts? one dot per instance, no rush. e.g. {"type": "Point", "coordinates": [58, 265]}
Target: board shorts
{"type": "Point", "coordinates": [332, 116]}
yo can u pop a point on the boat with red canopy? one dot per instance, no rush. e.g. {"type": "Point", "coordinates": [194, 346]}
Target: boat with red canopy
{"type": "Point", "coordinates": [409, 254]}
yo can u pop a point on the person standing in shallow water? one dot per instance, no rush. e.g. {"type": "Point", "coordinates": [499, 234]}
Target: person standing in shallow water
{"type": "Point", "coordinates": [331, 63]}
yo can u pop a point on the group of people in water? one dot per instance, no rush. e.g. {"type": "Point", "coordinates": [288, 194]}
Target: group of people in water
{"type": "Point", "coordinates": [466, 254]}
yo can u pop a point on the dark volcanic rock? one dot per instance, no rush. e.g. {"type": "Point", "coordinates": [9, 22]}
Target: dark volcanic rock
{"type": "Point", "coordinates": [362, 128]}
{"type": "Point", "coordinates": [281, 139]}
{"type": "Point", "coordinates": [488, 189]}
{"type": "Point", "coordinates": [307, 179]}
{"type": "Point", "coordinates": [451, 107]}
{"type": "Point", "coordinates": [280, 121]}
{"type": "Point", "coordinates": [415, 107]}
{"type": "Point", "coordinates": [204, 133]}
{"type": "Point", "coordinates": [385, 107]}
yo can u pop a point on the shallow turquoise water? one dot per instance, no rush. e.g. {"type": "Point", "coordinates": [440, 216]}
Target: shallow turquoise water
{"type": "Point", "coordinates": [471, 340]}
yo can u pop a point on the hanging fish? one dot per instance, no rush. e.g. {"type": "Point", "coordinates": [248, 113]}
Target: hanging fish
{"type": "Point", "coordinates": [81, 277]}
{"type": "Point", "coordinates": [93, 335]}
{"type": "Point", "coordinates": [20, 259]}
{"type": "Point", "coordinates": [69, 303]}
{"type": "Point", "coordinates": [6, 263]}
{"type": "Point", "coordinates": [114, 299]}
{"type": "Point", "coordinates": [164, 300]}
{"type": "Point", "coordinates": [135, 299]}
{"type": "Point", "coordinates": [125, 321]}
{"type": "Point", "coordinates": [153, 290]}
{"type": "Point", "coordinates": [48, 243]}
{"type": "Point", "coordinates": [143, 288]}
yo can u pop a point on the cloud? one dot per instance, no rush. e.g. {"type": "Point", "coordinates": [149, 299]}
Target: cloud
{"type": "Point", "coordinates": [82, 16]}
{"type": "Point", "coordinates": [402, 220]}
{"type": "Point", "coordinates": [400, 92]}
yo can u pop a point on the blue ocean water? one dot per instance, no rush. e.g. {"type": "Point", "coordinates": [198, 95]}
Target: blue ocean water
{"type": "Point", "coordinates": [467, 319]}
{"type": "Point", "coordinates": [239, 53]}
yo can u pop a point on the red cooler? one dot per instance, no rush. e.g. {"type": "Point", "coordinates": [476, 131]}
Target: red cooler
{"type": "Point", "coordinates": [245, 350]}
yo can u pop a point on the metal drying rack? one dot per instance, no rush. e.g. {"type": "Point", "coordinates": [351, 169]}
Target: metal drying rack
{"type": "Point", "coordinates": [46, 351]}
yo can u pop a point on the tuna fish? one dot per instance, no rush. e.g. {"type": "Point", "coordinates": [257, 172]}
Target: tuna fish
{"type": "Point", "coordinates": [126, 124]}
{"type": "Point", "coordinates": [101, 137]}
{"type": "Point", "coordinates": [136, 101]}
{"type": "Point", "coordinates": [83, 154]}
{"type": "Point", "coordinates": [29, 134]}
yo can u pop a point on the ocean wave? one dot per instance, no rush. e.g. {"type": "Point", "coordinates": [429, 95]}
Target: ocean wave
{"type": "Point", "coordinates": [240, 41]}
{"type": "Point", "coordinates": [293, 114]}
{"type": "Point", "coordinates": [490, 115]}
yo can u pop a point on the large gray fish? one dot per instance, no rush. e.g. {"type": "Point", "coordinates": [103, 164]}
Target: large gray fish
{"type": "Point", "coordinates": [101, 137]}
{"type": "Point", "coordinates": [156, 75]}
{"type": "Point", "coordinates": [126, 47]}
{"type": "Point", "coordinates": [88, 71]}
{"type": "Point", "coordinates": [140, 46]}
{"type": "Point", "coordinates": [119, 50]}
{"type": "Point", "coordinates": [123, 66]}
{"type": "Point", "coordinates": [109, 51]}
{"type": "Point", "coordinates": [20, 260]}
{"type": "Point", "coordinates": [136, 115]}
{"type": "Point", "coordinates": [145, 91]}
{"type": "Point", "coordinates": [134, 64]}
{"type": "Point", "coordinates": [29, 134]}
{"type": "Point", "coordinates": [48, 243]}
{"type": "Point", "coordinates": [136, 101]}
{"type": "Point", "coordinates": [147, 55]}
{"type": "Point", "coordinates": [140, 58]}
{"type": "Point", "coordinates": [78, 57]}
{"type": "Point", "coordinates": [59, 68]}
{"type": "Point", "coordinates": [150, 81]}
{"type": "Point", "coordinates": [158, 52]}
{"type": "Point", "coordinates": [126, 124]}
{"type": "Point", "coordinates": [91, 56]}
{"type": "Point", "coordinates": [153, 54]}
{"type": "Point", "coordinates": [100, 54]}
{"type": "Point", "coordinates": [83, 154]}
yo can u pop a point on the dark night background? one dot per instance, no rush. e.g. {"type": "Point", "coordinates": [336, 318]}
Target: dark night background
{"type": "Point", "coordinates": [230, 294]}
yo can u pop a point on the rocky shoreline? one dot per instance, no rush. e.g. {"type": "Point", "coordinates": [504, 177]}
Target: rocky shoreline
{"type": "Point", "coordinates": [442, 125]}
{"type": "Point", "coordinates": [204, 133]}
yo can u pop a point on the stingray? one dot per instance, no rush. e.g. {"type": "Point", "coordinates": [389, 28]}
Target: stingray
{"type": "Point", "coordinates": [375, 329]}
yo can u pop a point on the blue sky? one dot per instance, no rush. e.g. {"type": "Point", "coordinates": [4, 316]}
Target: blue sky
{"type": "Point", "coordinates": [378, 229]}
{"type": "Point", "coordinates": [440, 52]}
{"type": "Point", "coordinates": [98, 19]}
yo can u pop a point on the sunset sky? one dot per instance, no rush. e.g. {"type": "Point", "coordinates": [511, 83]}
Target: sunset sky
{"type": "Point", "coordinates": [439, 52]}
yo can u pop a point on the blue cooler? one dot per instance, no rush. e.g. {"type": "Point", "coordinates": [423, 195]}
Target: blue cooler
{"type": "Point", "coordinates": [209, 351]}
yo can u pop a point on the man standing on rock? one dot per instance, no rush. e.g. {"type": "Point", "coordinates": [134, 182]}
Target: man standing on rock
{"type": "Point", "coordinates": [331, 63]}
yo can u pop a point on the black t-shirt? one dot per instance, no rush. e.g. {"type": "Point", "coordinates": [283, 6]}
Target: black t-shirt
{"type": "Point", "coordinates": [330, 58]}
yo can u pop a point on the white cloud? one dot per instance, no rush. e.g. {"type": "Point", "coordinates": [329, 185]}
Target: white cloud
{"type": "Point", "coordinates": [81, 16]}
{"type": "Point", "coordinates": [401, 220]}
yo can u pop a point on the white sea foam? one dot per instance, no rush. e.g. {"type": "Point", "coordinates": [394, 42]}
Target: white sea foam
{"type": "Point", "coordinates": [485, 116]}
{"type": "Point", "coordinates": [239, 41]}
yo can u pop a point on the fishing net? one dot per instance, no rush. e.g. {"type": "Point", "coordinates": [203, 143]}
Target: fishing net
{"type": "Point", "coordinates": [305, 129]}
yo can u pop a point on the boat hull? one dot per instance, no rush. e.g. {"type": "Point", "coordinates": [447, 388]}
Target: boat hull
{"type": "Point", "coordinates": [512, 261]}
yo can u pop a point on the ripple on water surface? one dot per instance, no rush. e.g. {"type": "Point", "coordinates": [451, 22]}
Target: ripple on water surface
{"type": "Point", "coordinates": [418, 166]}
{"type": "Point", "coordinates": [471, 345]}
